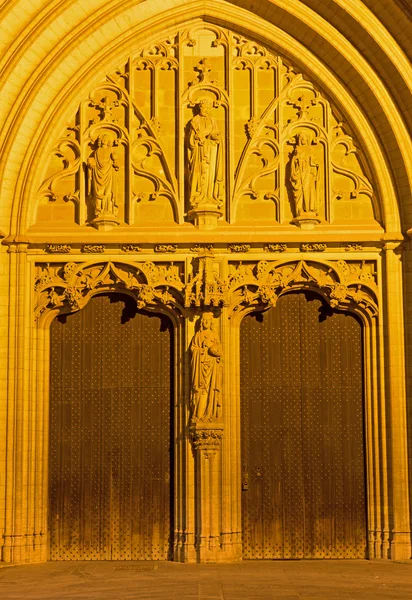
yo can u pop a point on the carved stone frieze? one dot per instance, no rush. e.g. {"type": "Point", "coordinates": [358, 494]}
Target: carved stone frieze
{"type": "Point", "coordinates": [353, 247]}
{"type": "Point", "coordinates": [343, 284]}
{"type": "Point", "coordinates": [58, 248]}
{"type": "Point", "coordinates": [166, 248]}
{"type": "Point", "coordinates": [93, 248]}
{"type": "Point", "coordinates": [68, 287]}
{"type": "Point", "coordinates": [313, 247]}
{"type": "Point", "coordinates": [239, 247]}
{"type": "Point", "coordinates": [202, 248]}
{"type": "Point", "coordinates": [276, 247]}
{"type": "Point", "coordinates": [131, 248]}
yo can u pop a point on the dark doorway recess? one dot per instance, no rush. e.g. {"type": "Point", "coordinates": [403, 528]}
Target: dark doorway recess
{"type": "Point", "coordinates": [302, 428]}
{"type": "Point", "coordinates": [110, 483]}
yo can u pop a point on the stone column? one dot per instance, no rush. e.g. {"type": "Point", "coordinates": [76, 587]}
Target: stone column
{"type": "Point", "coordinates": [396, 389]}
{"type": "Point", "coordinates": [18, 539]}
{"type": "Point", "coordinates": [206, 440]}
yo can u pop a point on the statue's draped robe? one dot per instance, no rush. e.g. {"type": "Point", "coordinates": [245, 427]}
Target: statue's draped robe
{"type": "Point", "coordinates": [303, 177]}
{"type": "Point", "coordinates": [205, 163]}
{"type": "Point", "coordinates": [101, 166]}
{"type": "Point", "coordinates": [207, 376]}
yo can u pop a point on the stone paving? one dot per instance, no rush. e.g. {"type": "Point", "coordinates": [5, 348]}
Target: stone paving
{"type": "Point", "coordinates": [251, 580]}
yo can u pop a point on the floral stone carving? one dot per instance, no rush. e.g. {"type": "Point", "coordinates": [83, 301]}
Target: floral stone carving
{"type": "Point", "coordinates": [68, 287]}
{"type": "Point", "coordinates": [101, 177]}
{"type": "Point", "coordinates": [207, 372]}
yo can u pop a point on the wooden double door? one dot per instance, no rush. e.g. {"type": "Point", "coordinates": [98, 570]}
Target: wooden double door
{"type": "Point", "coordinates": [110, 433]}
{"type": "Point", "coordinates": [303, 474]}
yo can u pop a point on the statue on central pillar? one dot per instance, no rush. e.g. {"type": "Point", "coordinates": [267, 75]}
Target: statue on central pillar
{"type": "Point", "coordinates": [207, 372]}
{"type": "Point", "coordinates": [205, 168]}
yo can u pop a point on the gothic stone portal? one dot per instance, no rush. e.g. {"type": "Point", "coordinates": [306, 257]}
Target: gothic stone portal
{"type": "Point", "coordinates": [302, 432]}
{"type": "Point", "coordinates": [110, 423]}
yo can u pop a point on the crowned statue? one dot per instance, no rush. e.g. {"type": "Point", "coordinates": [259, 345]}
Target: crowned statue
{"type": "Point", "coordinates": [101, 169]}
{"type": "Point", "coordinates": [304, 180]}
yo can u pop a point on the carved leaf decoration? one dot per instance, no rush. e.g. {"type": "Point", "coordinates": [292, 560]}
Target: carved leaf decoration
{"type": "Point", "coordinates": [70, 167]}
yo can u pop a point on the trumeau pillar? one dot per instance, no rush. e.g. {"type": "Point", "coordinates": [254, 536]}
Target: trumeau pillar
{"type": "Point", "coordinates": [400, 540]}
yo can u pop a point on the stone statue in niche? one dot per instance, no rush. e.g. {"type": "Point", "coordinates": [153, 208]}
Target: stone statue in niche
{"type": "Point", "coordinates": [207, 372]}
{"type": "Point", "coordinates": [304, 180]}
{"type": "Point", "coordinates": [205, 167]}
{"type": "Point", "coordinates": [101, 178]}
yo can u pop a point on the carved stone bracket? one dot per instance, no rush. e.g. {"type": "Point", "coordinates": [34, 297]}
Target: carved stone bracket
{"type": "Point", "coordinates": [343, 284]}
{"type": "Point", "coordinates": [69, 286]}
{"type": "Point", "coordinates": [206, 439]}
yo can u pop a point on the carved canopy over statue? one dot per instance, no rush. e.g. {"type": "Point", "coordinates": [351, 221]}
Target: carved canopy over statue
{"type": "Point", "coordinates": [207, 372]}
{"type": "Point", "coordinates": [304, 175]}
{"type": "Point", "coordinates": [205, 160]}
{"type": "Point", "coordinates": [101, 168]}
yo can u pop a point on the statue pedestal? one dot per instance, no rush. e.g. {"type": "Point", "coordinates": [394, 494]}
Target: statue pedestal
{"type": "Point", "coordinates": [205, 216]}
{"type": "Point", "coordinates": [105, 222]}
{"type": "Point", "coordinates": [306, 220]}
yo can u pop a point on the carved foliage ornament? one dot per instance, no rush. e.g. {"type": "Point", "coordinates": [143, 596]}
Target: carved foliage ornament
{"type": "Point", "coordinates": [68, 287]}
{"type": "Point", "coordinates": [343, 284]}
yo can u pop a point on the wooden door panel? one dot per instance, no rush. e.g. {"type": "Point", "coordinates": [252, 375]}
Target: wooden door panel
{"type": "Point", "coordinates": [302, 432]}
{"type": "Point", "coordinates": [110, 424]}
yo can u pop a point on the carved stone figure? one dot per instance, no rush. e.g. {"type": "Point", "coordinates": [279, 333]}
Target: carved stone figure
{"type": "Point", "coordinates": [304, 175]}
{"type": "Point", "coordinates": [205, 161]}
{"type": "Point", "coordinates": [207, 372]}
{"type": "Point", "coordinates": [101, 169]}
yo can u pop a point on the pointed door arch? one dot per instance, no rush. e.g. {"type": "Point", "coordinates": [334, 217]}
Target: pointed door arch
{"type": "Point", "coordinates": [302, 430]}
{"type": "Point", "coordinates": [110, 433]}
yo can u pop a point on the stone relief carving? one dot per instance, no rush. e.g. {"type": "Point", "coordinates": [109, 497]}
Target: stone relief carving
{"type": "Point", "coordinates": [219, 170]}
{"type": "Point", "coordinates": [206, 287]}
{"type": "Point", "coordinates": [207, 372]}
{"type": "Point", "coordinates": [93, 248]}
{"type": "Point", "coordinates": [207, 440]}
{"type": "Point", "coordinates": [304, 176]}
{"type": "Point", "coordinates": [58, 248]}
{"type": "Point", "coordinates": [342, 284]}
{"type": "Point", "coordinates": [276, 247]}
{"type": "Point", "coordinates": [69, 286]}
{"type": "Point", "coordinates": [101, 177]}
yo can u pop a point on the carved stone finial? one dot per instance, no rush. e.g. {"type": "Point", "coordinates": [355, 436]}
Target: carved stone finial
{"type": "Point", "coordinates": [205, 168]}
{"type": "Point", "coordinates": [101, 178]}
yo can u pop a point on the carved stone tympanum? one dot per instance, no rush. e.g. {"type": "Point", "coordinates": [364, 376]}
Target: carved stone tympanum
{"type": "Point", "coordinates": [205, 168]}
{"type": "Point", "coordinates": [207, 372]}
{"type": "Point", "coordinates": [304, 175]}
{"type": "Point", "coordinates": [101, 170]}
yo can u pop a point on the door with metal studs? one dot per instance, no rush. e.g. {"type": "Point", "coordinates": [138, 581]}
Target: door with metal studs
{"type": "Point", "coordinates": [302, 427]}
{"type": "Point", "coordinates": [110, 433]}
